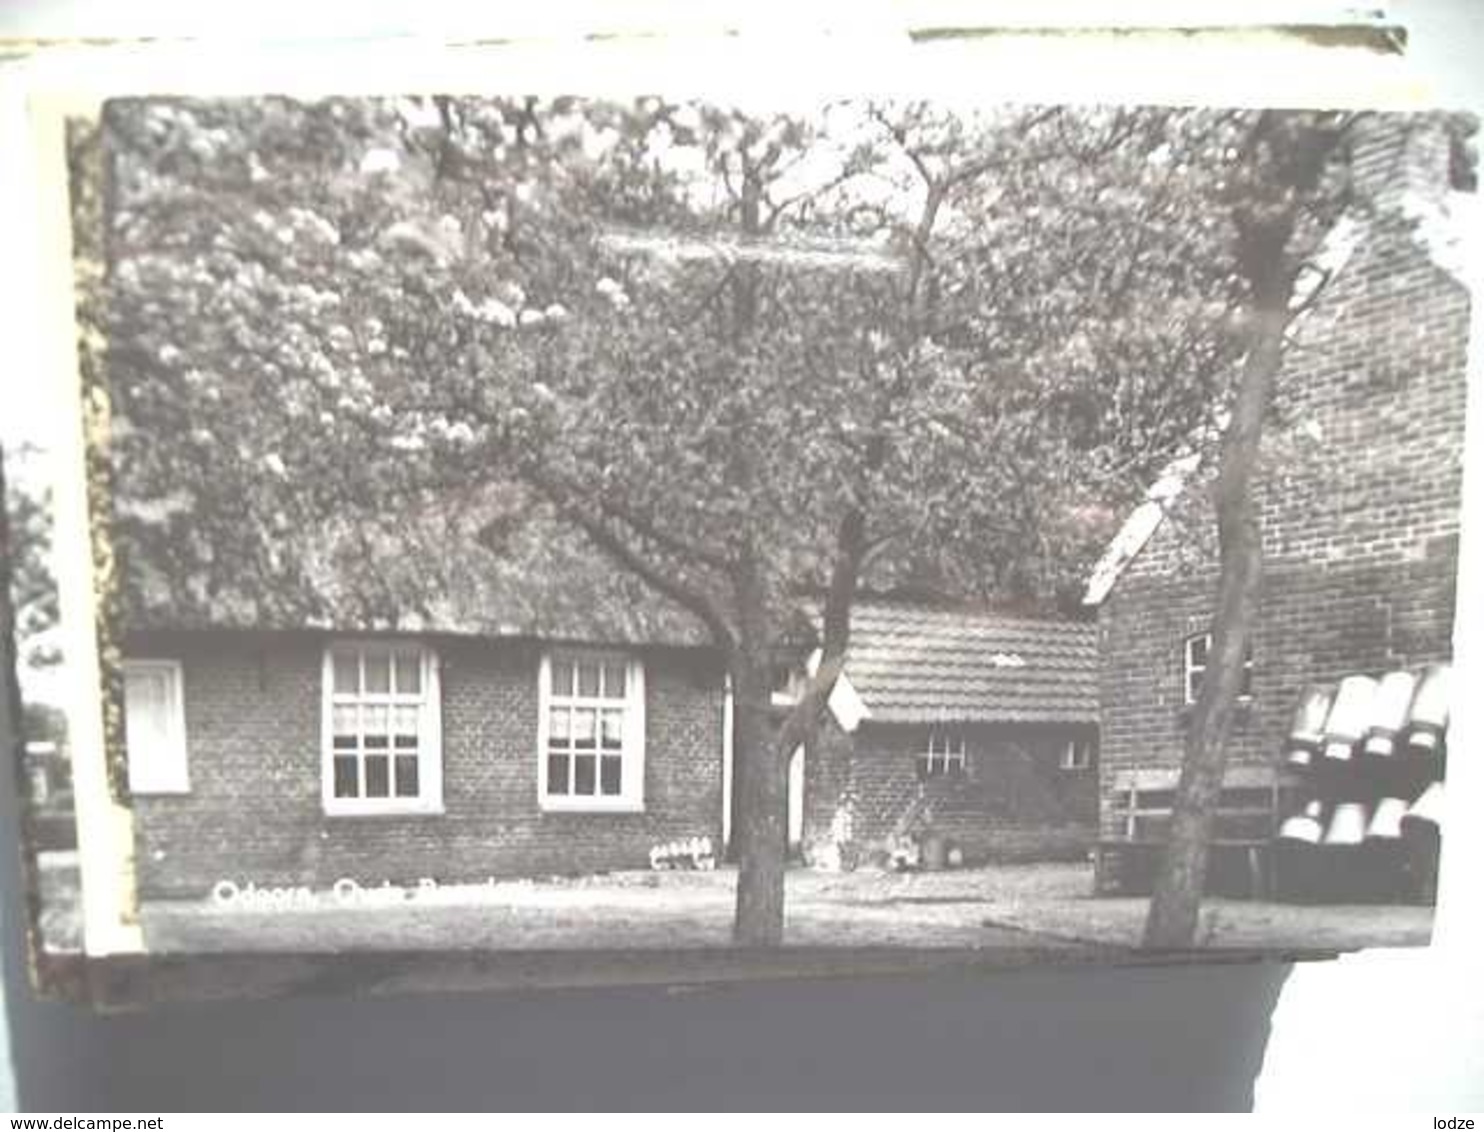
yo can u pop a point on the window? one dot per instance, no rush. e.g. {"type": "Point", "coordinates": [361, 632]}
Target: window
{"type": "Point", "coordinates": [383, 742]}
{"type": "Point", "coordinates": [1198, 655]}
{"type": "Point", "coordinates": [1077, 754]}
{"type": "Point", "coordinates": [945, 754]}
{"type": "Point", "coordinates": [154, 727]}
{"type": "Point", "coordinates": [591, 733]}
{"type": "Point", "coordinates": [786, 683]}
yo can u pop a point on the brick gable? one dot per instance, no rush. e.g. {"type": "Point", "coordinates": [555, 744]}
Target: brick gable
{"type": "Point", "coordinates": [1359, 499]}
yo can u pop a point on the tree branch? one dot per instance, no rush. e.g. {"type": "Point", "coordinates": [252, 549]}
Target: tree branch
{"type": "Point", "coordinates": [687, 595]}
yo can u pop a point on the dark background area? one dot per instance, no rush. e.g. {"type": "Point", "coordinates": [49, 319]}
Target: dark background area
{"type": "Point", "coordinates": [1103, 1040]}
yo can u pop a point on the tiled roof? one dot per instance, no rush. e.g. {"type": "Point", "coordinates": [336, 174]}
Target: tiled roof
{"type": "Point", "coordinates": [916, 664]}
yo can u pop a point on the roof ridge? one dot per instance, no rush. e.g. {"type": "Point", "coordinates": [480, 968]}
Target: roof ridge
{"type": "Point", "coordinates": [976, 612]}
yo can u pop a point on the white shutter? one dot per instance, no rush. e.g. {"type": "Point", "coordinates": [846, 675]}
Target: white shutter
{"type": "Point", "coordinates": [633, 770]}
{"type": "Point", "coordinates": [154, 727]}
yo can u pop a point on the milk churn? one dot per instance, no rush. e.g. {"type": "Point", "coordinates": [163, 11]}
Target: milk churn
{"type": "Point", "coordinates": [1389, 713]}
{"type": "Point", "coordinates": [1306, 731]}
{"type": "Point", "coordinates": [1427, 721]}
{"type": "Point", "coordinates": [1350, 717]}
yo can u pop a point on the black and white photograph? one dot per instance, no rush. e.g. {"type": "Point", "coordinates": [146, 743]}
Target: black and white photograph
{"type": "Point", "coordinates": [557, 523]}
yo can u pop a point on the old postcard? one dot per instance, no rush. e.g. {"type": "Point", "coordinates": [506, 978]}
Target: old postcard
{"type": "Point", "coordinates": [873, 529]}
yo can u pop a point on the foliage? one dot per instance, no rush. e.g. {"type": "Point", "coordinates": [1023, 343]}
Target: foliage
{"type": "Point", "coordinates": [334, 308]}
{"type": "Point", "coordinates": [33, 589]}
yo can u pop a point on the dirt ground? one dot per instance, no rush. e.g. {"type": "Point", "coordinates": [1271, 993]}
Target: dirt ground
{"type": "Point", "coordinates": [1015, 906]}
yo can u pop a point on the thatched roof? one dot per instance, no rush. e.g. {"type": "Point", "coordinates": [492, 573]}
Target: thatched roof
{"type": "Point", "coordinates": [422, 573]}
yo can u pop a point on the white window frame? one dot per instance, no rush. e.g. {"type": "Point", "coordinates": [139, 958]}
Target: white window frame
{"type": "Point", "coordinates": [167, 771]}
{"type": "Point", "coordinates": [1192, 669]}
{"type": "Point", "coordinates": [946, 752]}
{"type": "Point", "coordinates": [1070, 759]}
{"type": "Point", "coordinates": [430, 725]}
{"type": "Point", "coordinates": [630, 800]}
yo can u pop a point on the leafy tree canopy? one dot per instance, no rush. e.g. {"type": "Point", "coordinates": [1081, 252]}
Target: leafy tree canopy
{"type": "Point", "coordinates": [351, 341]}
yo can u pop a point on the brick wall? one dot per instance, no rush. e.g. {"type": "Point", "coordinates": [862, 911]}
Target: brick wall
{"type": "Point", "coordinates": [1014, 800]}
{"type": "Point", "coordinates": [1359, 500]}
{"type": "Point", "coordinates": [254, 812]}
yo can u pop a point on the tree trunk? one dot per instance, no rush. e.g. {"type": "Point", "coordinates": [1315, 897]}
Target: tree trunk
{"type": "Point", "coordinates": [1174, 910]}
{"type": "Point", "coordinates": [762, 789]}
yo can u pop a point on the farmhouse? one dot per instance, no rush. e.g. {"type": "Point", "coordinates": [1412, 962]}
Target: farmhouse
{"type": "Point", "coordinates": [510, 731]}
{"type": "Point", "coordinates": [1358, 498]}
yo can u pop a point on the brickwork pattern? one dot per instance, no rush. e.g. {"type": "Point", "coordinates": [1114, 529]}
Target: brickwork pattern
{"type": "Point", "coordinates": [254, 812]}
{"type": "Point", "coordinates": [1013, 802]}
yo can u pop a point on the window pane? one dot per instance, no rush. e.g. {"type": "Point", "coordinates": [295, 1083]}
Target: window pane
{"type": "Point", "coordinates": [1154, 828]}
{"type": "Point", "coordinates": [560, 727]}
{"type": "Point", "coordinates": [1246, 796]}
{"type": "Point", "coordinates": [612, 736]}
{"type": "Point", "coordinates": [404, 727]}
{"type": "Point", "coordinates": [584, 774]}
{"type": "Point", "coordinates": [406, 776]}
{"type": "Point", "coordinates": [615, 681]}
{"type": "Point", "coordinates": [556, 774]}
{"type": "Point", "coordinates": [347, 673]}
{"type": "Point", "coordinates": [780, 678]}
{"type": "Point", "coordinates": [409, 674]}
{"type": "Point", "coordinates": [612, 775]}
{"type": "Point", "coordinates": [584, 728]}
{"type": "Point", "coordinates": [1199, 647]}
{"type": "Point", "coordinates": [376, 776]}
{"type": "Point", "coordinates": [378, 667]}
{"type": "Point", "coordinates": [145, 716]}
{"type": "Point", "coordinates": [375, 720]}
{"type": "Point", "coordinates": [345, 720]}
{"type": "Point", "coordinates": [345, 776]}
{"type": "Point", "coordinates": [561, 678]}
{"type": "Point", "coordinates": [587, 679]}
{"type": "Point", "coordinates": [144, 693]}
